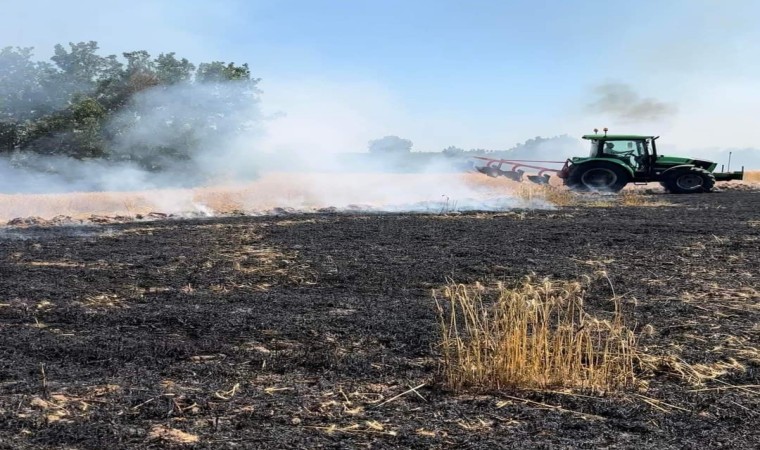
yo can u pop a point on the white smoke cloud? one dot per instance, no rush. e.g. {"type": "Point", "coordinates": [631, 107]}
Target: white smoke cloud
{"type": "Point", "coordinates": [211, 121]}
{"type": "Point", "coordinates": [312, 135]}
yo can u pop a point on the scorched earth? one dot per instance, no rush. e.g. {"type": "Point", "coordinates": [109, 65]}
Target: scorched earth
{"type": "Point", "coordinates": [306, 331]}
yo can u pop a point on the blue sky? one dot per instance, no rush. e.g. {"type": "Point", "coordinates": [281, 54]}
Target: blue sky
{"type": "Point", "coordinates": [468, 73]}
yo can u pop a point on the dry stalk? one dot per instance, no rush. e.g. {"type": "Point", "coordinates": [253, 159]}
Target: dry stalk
{"type": "Point", "coordinates": [558, 196]}
{"type": "Point", "coordinates": [414, 389]}
{"type": "Point", "coordinates": [536, 335]}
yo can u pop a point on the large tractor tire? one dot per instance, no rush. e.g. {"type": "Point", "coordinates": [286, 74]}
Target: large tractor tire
{"type": "Point", "coordinates": [597, 176]}
{"type": "Point", "coordinates": [689, 180]}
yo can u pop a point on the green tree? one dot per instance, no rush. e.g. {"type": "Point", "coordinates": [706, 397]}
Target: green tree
{"type": "Point", "coordinates": [24, 94]}
{"type": "Point", "coordinates": [171, 70]}
{"type": "Point", "coordinates": [218, 71]}
{"type": "Point", "coordinates": [140, 73]}
{"type": "Point", "coordinates": [452, 151]}
{"type": "Point", "coordinates": [81, 63]}
{"type": "Point", "coordinates": [85, 105]}
{"type": "Point", "coordinates": [390, 145]}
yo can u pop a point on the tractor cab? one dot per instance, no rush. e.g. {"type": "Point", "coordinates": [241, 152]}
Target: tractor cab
{"type": "Point", "coordinates": [636, 152]}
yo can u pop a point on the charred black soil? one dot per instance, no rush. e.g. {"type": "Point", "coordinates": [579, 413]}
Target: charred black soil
{"type": "Point", "coordinates": [300, 331]}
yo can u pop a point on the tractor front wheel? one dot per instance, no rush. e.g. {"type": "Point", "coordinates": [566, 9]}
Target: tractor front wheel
{"type": "Point", "coordinates": [691, 180]}
{"type": "Point", "coordinates": [597, 176]}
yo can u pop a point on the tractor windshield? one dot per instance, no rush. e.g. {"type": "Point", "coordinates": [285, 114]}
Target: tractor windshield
{"type": "Point", "coordinates": [630, 151]}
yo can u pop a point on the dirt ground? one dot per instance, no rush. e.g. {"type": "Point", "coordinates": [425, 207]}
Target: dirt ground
{"type": "Point", "coordinates": [310, 331]}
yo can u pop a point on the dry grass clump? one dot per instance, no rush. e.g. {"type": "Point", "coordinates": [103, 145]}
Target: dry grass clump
{"type": "Point", "coordinates": [535, 335]}
{"type": "Point", "coordinates": [633, 198]}
{"type": "Point", "coordinates": [694, 374]}
{"type": "Point", "coordinates": [298, 190]}
{"type": "Point", "coordinates": [171, 435]}
{"type": "Point", "coordinates": [752, 177]}
{"type": "Point", "coordinates": [558, 196]}
{"type": "Point", "coordinates": [561, 196]}
{"type": "Point", "coordinates": [627, 197]}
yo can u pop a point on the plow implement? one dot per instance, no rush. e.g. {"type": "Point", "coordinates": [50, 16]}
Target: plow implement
{"type": "Point", "coordinates": [614, 162]}
{"type": "Point", "coordinates": [515, 169]}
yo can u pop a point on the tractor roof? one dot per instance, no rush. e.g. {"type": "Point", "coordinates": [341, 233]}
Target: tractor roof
{"type": "Point", "coordinates": [615, 137]}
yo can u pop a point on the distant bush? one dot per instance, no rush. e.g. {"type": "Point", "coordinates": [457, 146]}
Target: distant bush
{"type": "Point", "coordinates": [390, 144]}
{"type": "Point", "coordinates": [453, 151]}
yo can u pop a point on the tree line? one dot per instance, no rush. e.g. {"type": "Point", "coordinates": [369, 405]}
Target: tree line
{"type": "Point", "coordinates": [80, 102]}
{"type": "Point", "coordinates": [148, 110]}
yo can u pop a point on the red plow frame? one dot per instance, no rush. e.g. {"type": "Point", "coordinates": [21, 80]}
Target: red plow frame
{"type": "Point", "coordinates": [493, 168]}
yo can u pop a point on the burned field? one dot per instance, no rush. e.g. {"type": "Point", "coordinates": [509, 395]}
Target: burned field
{"type": "Point", "coordinates": [306, 331]}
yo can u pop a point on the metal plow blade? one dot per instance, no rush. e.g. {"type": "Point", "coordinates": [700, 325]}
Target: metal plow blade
{"type": "Point", "coordinates": [490, 171]}
{"type": "Point", "coordinates": [539, 179]}
{"type": "Point", "coordinates": [493, 168]}
{"type": "Point", "coordinates": [515, 175]}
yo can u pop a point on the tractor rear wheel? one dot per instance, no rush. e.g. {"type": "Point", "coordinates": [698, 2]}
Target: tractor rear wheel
{"type": "Point", "coordinates": [690, 180]}
{"type": "Point", "coordinates": [597, 176]}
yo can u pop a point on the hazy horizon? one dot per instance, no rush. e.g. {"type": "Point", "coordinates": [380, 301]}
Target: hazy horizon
{"type": "Point", "coordinates": [483, 75]}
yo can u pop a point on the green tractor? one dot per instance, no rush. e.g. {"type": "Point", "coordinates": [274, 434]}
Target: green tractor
{"type": "Point", "coordinates": [617, 160]}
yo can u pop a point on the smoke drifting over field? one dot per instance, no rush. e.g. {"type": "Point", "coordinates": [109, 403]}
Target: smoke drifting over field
{"type": "Point", "coordinates": [288, 193]}
{"type": "Point", "coordinates": [620, 101]}
{"type": "Point", "coordinates": [197, 119]}
{"type": "Point", "coordinates": [234, 148]}
{"type": "Point", "coordinates": [232, 158]}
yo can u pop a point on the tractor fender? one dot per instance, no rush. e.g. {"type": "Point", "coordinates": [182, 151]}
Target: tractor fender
{"type": "Point", "coordinates": [628, 168]}
{"type": "Point", "coordinates": [670, 170]}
